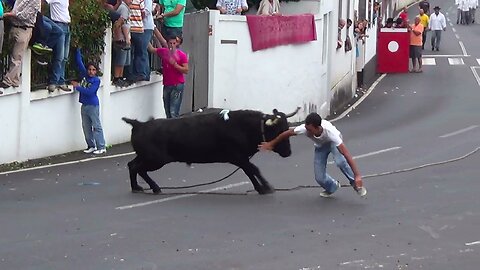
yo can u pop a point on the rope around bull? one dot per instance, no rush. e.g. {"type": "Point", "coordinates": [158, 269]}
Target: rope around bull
{"type": "Point", "coordinates": [311, 186]}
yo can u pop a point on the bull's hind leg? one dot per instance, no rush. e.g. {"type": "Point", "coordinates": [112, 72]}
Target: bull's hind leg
{"type": "Point", "coordinates": [133, 170]}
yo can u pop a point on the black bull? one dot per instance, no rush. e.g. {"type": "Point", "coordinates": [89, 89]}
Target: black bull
{"type": "Point", "coordinates": [205, 137]}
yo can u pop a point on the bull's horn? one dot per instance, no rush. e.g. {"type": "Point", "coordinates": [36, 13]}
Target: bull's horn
{"type": "Point", "coordinates": [269, 122]}
{"type": "Point", "coordinates": [293, 113]}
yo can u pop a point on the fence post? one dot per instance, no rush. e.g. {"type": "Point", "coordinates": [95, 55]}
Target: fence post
{"type": "Point", "coordinates": [106, 86]}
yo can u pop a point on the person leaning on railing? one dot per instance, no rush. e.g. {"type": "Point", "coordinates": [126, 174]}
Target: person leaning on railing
{"type": "Point", "coordinates": [22, 18]}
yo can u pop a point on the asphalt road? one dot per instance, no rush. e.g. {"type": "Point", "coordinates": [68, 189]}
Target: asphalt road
{"type": "Point", "coordinates": [83, 216]}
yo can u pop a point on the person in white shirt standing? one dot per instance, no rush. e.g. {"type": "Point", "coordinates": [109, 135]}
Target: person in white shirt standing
{"type": "Point", "coordinates": [437, 25]}
{"type": "Point", "coordinates": [459, 11]}
{"type": "Point", "coordinates": [327, 139]}
{"type": "Point", "coordinates": [472, 7]}
{"type": "Point", "coordinates": [61, 16]}
{"type": "Point", "coordinates": [465, 8]}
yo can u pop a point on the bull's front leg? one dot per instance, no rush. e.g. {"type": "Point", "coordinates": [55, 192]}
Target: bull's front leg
{"type": "Point", "coordinates": [259, 183]}
{"type": "Point", "coordinates": [266, 188]}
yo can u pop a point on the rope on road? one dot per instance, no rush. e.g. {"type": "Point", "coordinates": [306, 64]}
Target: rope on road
{"type": "Point", "coordinates": [310, 186]}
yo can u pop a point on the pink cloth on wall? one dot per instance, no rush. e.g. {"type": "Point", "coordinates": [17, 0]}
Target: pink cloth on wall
{"type": "Point", "coordinates": [271, 31]}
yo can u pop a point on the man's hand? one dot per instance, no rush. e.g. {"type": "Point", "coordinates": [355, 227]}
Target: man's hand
{"type": "Point", "coordinates": [74, 83]}
{"type": "Point", "coordinates": [358, 181]}
{"type": "Point", "coordinates": [265, 146]}
{"type": "Point", "coordinates": [239, 9]}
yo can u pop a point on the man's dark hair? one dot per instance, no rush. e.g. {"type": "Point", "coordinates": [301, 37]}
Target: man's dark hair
{"type": "Point", "coordinates": [313, 119]}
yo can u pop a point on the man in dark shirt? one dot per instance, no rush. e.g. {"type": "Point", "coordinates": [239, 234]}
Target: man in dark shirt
{"type": "Point", "coordinates": [425, 5]}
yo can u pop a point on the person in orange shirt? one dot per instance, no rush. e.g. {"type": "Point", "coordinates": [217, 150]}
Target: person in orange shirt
{"type": "Point", "coordinates": [416, 31]}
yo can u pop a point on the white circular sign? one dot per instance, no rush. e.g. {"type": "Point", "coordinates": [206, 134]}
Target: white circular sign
{"type": "Point", "coordinates": [393, 46]}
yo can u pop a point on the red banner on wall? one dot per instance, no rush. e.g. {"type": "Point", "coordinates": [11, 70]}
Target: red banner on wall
{"type": "Point", "coordinates": [270, 31]}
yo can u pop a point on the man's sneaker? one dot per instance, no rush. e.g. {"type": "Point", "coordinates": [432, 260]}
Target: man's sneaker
{"type": "Point", "coordinates": [100, 151]}
{"type": "Point", "coordinates": [327, 194]}
{"type": "Point", "coordinates": [51, 88]}
{"type": "Point", "coordinates": [64, 87]}
{"type": "Point", "coordinates": [90, 150]}
{"type": "Point", "coordinates": [40, 49]}
{"type": "Point", "coordinates": [362, 191]}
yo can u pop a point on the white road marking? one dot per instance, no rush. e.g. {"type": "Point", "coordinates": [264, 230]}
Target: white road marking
{"type": "Point", "coordinates": [180, 196]}
{"type": "Point", "coordinates": [463, 48]}
{"type": "Point", "coordinates": [456, 61]}
{"type": "Point", "coordinates": [454, 30]}
{"type": "Point", "coordinates": [475, 74]}
{"type": "Point", "coordinates": [459, 131]}
{"type": "Point", "coordinates": [429, 61]}
{"type": "Point", "coordinates": [445, 55]}
{"type": "Point", "coordinates": [478, 61]}
{"type": "Point", "coordinates": [373, 153]}
{"type": "Point", "coordinates": [456, 35]}
{"type": "Point", "coordinates": [472, 243]}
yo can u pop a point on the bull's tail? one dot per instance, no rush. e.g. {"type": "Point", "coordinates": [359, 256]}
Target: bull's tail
{"type": "Point", "coordinates": [135, 123]}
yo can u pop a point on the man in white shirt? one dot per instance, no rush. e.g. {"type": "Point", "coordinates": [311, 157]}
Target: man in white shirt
{"type": "Point", "coordinates": [437, 25]}
{"type": "Point", "coordinates": [61, 16]}
{"type": "Point", "coordinates": [465, 8]}
{"type": "Point", "coordinates": [327, 139]}
{"type": "Point", "coordinates": [472, 8]}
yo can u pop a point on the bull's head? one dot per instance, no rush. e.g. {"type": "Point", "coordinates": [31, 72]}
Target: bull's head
{"type": "Point", "coordinates": [276, 124]}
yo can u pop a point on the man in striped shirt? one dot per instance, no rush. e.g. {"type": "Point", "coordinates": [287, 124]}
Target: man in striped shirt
{"type": "Point", "coordinates": [137, 12]}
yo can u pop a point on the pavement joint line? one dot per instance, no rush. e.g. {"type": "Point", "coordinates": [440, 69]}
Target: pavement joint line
{"type": "Point", "coordinates": [458, 131]}
{"type": "Point", "coordinates": [372, 87]}
{"type": "Point", "coordinates": [180, 196]}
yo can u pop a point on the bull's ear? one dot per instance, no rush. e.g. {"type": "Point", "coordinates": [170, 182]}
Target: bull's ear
{"type": "Point", "coordinates": [275, 112]}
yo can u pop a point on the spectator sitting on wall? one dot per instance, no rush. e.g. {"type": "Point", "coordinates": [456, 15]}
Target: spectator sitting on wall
{"type": "Point", "coordinates": [232, 7]}
{"type": "Point", "coordinates": [60, 15]}
{"type": "Point", "coordinates": [121, 56]}
{"type": "Point", "coordinates": [40, 33]}
{"type": "Point", "coordinates": [269, 7]}
{"type": "Point", "coordinates": [117, 21]}
{"type": "Point", "coordinates": [22, 18]}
